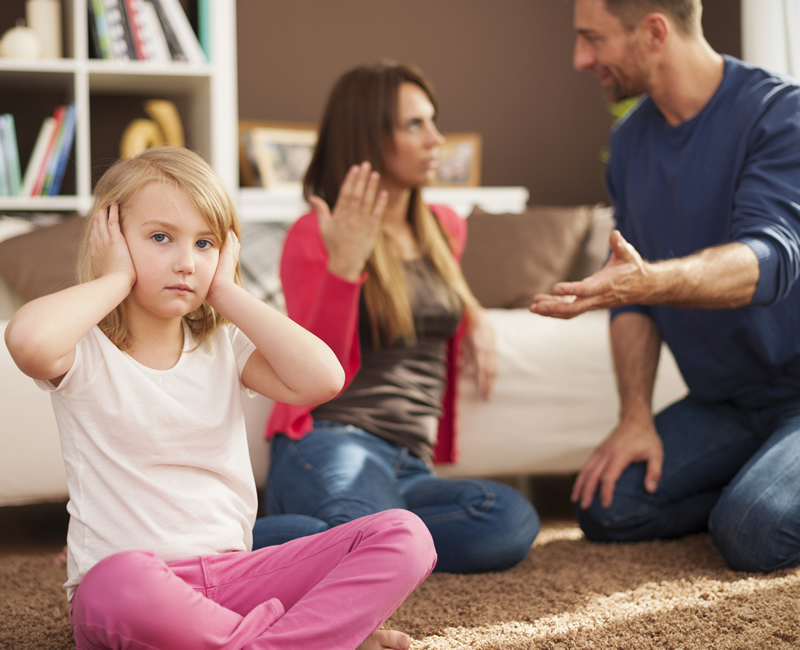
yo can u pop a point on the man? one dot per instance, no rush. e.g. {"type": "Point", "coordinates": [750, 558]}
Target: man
{"type": "Point", "coordinates": [704, 176]}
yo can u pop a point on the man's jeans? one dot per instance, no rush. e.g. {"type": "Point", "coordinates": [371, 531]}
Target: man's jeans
{"type": "Point", "coordinates": [733, 471]}
{"type": "Point", "coordinates": [338, 473]}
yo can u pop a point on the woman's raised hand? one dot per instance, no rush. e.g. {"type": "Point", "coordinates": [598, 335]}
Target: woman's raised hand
{"type": "Point", "coordinates": [350, 231]}
{"type": "Point", "coordinates": [109, 249]}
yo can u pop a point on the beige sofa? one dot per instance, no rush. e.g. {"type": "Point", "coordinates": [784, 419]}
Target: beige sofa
{"type": "Point", "coordinates": [554, 398]}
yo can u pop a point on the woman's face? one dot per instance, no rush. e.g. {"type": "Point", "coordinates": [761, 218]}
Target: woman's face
{"type": "Point", "coordinates": [413, 159]}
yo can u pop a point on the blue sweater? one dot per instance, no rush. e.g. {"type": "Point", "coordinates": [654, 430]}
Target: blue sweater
{"type": "Point", "coordinates": [730, 174]}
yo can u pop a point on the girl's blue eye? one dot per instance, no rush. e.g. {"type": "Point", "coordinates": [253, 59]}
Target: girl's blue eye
{"type": "Point", "coordinates": [203, 244]}
{"type": "Point", "coordinates": [159, 237]}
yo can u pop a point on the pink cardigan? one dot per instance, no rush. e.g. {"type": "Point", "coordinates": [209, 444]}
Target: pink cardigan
{"type": "Point", "coordinates": [327, 306]}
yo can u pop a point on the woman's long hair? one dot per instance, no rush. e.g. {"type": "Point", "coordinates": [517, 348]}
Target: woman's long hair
{"type": "Point", "coordinates": [358, 125]}
{"type": "Point", "coordinates": [187, 171]}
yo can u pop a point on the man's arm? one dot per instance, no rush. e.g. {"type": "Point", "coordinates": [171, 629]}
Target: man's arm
{"type": "Point", "coordinates": [721, 277]}
{"type": "Point", "coordinates": [635, 344]}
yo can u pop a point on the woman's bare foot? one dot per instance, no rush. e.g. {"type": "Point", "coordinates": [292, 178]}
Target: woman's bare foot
{"type": "Point", "coordinates": [382, 639]}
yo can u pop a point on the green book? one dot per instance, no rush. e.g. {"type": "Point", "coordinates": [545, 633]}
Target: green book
{"type": "Point", "coordinates": [101, 24]}
{"type": "Point", "coordinates": [11, 151]}
{"type": "Point", "coordinates": [5, 190]}
{"type": "Point", "coordinates": [204, 27]}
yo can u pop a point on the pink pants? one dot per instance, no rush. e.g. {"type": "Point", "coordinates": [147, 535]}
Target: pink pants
{"type": "Point", "coordinates": [330, 590]}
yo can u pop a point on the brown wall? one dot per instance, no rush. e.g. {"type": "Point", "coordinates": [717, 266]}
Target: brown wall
{"type": "Point", "coordinates": [501, 67]}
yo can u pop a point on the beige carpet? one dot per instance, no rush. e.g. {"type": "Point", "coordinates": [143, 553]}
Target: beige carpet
{"type": "Point", "coordinates": [567, 594]}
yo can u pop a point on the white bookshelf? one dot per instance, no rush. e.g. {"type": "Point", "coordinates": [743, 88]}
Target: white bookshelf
{"type": "Point", "coordinates": [277, 205]}
{"type": "Point", "coordinates": [208, 90]}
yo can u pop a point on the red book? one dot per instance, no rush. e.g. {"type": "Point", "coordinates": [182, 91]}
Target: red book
{"type": "Point", "coordinates": [58, 116]}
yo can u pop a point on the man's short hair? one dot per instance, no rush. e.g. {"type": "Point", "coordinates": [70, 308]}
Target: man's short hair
{"type": "Point", "coordinates": [684, 13]}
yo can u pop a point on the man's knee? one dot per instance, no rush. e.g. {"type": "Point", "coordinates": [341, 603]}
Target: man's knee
{"type": "Point", "coordinates": [758, 535]}
{"type": "Point", "coordinates": [627, 519]}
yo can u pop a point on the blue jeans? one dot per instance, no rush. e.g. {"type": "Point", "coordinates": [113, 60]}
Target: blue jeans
{"type": "Point", "coordinates": [733, 471]}
{"type": "Point", "coordinates": [338, 473]}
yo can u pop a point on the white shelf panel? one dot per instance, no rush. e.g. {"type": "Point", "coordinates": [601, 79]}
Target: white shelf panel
{"type": "Point", "coordinates": [38, 66]}
{"type": "Point", "coordinates": [286, 205]}
{"type": "Point", "coordinates": [45, 204]}
{"type": "Point", "coordinates": [37, 75]}
{"type": "Point", "coordinates": [136, 77]}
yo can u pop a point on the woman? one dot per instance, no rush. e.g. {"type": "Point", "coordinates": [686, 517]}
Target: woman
{"type": "Point", "coordinates": [373, 272]}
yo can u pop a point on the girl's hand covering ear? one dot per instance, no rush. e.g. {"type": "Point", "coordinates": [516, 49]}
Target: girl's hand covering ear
{"type": "Point", "coordinates": [109, 250]}
{"type": "Point", "coordinates": [228, 262]}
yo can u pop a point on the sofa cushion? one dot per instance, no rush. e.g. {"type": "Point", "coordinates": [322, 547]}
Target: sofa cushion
{"type": "Point", "coordinates": [44, 260]}
{"type": "Point", "coordinates": [595, 250]}
{"type": "Point", "coordinates": [511, 257]}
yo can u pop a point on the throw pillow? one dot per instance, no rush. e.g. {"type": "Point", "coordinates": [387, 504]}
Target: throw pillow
{"type": "Point", "coordinates": [260, 259]}
{"type": "Point", "coordinates": [595, 251]}
{"type": "Point", "coordinates": [44, 260]}
{"type": "Point", "coordinates": [511, 257]}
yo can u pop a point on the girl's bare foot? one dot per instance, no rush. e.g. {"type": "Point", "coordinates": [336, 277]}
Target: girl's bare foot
{"type": "Point", "coordinates": [61, 558]}
{"type": "Point", "coordinates": [383, 639]}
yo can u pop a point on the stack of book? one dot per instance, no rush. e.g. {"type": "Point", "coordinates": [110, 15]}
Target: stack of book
{"type": "Point", "coordinates": [50, 155]}
{"type": "Point", "coordinates": [144, 30]}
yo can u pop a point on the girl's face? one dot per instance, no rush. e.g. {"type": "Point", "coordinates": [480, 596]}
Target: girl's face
{"type": "Point", "coordinates": [174, 252]}
{"type": "Point", "coordinates": [412, 162]}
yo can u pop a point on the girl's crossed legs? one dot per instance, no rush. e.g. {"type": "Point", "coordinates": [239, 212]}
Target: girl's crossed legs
{"type": "Point", "coordinates": [330, 590]}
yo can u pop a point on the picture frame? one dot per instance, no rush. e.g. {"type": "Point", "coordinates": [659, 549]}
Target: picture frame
{"type": "Point", "coordinates": [459, 160]}
{"type": "Point", "coordinates": [275, 154]}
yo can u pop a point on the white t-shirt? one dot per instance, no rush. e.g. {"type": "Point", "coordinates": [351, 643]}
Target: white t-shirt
{"type": "Point", "coordinates": [156, 459]}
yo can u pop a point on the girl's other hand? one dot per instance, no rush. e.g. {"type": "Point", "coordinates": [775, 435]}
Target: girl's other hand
{"type": "Point", "coordinates": [227, 265]}
{"type": "Point", "coordinates": [109, 249]}
{"type": "Point", "coordinates": [350, 231]}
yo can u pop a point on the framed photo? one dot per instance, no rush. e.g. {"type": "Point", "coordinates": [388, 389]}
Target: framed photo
{"type": "Point", "coordinates": [460, 160]}
{"type": "Point", "coordinates": [275, 154]}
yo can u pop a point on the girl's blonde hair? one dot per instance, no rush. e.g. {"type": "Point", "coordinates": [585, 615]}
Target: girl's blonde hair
{"type": "Point", "coordinates": [358, 125]}
{"type": "Point", "coordinates": [179, 168]}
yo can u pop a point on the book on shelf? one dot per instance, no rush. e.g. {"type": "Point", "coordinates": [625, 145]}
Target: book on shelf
{"type": "Point", "coordinates": [127, 30]}
{"type": "Point", "coordinates": [60, 157]}
{"type": "Point", "coordinates": [39, 154]}
{"type": "Point", "coordinates": [175, 51]}
{"type": "Point", "coordinates": [100, 25]}
{"type": "Point", "coordinates": [95, 51]}
{"type": "Point", "coordinates": [41, 175]}
{"type": "Point", "coordinates": [131, 12]}
{"type": "Point", "coordinates": [10, 154]}
{"type": "Point", "coordinates": [154, 39]}
{"type": "Point", "coordinates": [5, 186]}
{"type": "Point", "coordinates": [204, 27]}
{"type": "Point", "coordinates": [182, 28]}
{"type": "Point", "coordinates": [117, 38]}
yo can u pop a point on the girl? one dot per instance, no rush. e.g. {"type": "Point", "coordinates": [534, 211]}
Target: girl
{"type": "Point", "coordinates": [145, 361]}
{"type": "Point", "coordinates": [373, 272]}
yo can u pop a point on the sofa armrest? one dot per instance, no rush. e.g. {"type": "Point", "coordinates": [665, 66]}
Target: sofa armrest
{"type": "Point", "coordinates": [31, 468]}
